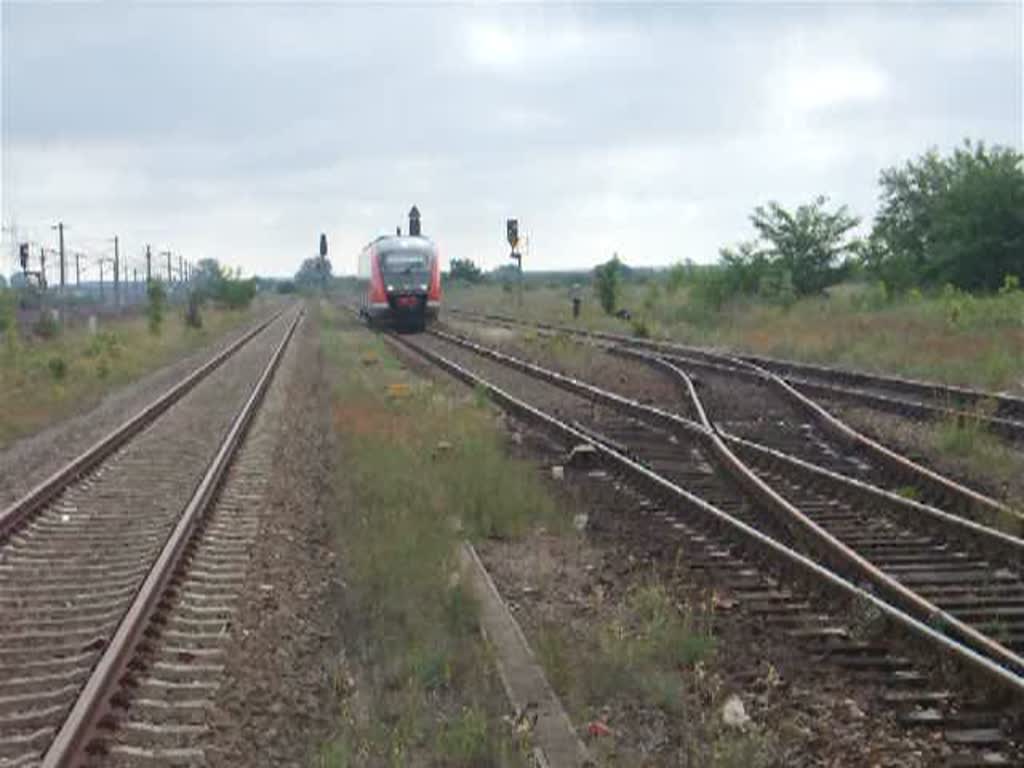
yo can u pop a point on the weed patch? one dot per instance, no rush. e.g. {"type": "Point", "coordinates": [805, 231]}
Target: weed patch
{"type": "Point", "coordinates": [418, 472]}
{"type": "Point", "coordinates": [45, 380]}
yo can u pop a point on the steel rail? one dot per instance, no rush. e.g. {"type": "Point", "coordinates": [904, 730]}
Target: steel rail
{"type": "Point", "coordinates": [970, 498]}
{"type": "Point", "coordinates": [15, 515]}
{"type": "Point", "coordinates": [836, 550]}
{"type": "Point", "coordinates": [750, 536]}
{"type": "Point", "coordinates": [1011, 428]}
{"type": "Point", "coordinates": [796, 522]}
{"type": "Point", "coordinates": [70, 745]}
{"type": "Point", "coordinates": [844, 432]}
{"type": "Point", "coordinates": [1011, 547]}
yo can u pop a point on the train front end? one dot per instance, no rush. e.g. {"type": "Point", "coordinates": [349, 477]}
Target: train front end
{"type": "Point", "coordinates": [405, 282]}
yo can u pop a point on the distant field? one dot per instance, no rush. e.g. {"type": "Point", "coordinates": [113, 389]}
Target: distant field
{"type": "Point", "coordinates": [952, 338]}
{"type": "Point", "coordinates": [44, 381]}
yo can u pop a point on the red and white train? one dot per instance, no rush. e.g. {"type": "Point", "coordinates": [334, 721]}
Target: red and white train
{"type": "Point", "coordinates": [400, 279]}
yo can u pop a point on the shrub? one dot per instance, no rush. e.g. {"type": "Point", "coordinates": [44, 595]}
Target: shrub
{"type": "Point", "coordinates": [155, 307]}
{"type": "Point", "coordinates": [58, 368]}
{"type": "Point", "coordinates": [193, 318]}
{"type": "Point", "coordinates": [606, 283]}
{"type": "Point", "coordinates": [8, 318]}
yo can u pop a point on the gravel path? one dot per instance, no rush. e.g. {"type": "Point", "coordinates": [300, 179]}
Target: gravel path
{"type": "Point", "coordinates": [67, 576]}
{"type": "Point", "coordinates": [284, 664]}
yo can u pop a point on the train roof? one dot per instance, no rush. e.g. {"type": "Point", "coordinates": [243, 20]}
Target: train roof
{"type": "Point", "coordinates": [386, 243]}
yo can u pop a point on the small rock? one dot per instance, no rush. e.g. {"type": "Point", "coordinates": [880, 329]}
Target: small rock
{"type": "Point", "coordinates": [734, 714]}
{"type": "Point", "coordinates": [65, 518]}
{"type": "Point", "coordinates": [853, 711]}
{"type": "Point", "coordinates": [580, 521]}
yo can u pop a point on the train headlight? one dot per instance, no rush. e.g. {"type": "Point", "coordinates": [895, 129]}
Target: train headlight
{"type": "Point", "coordinates": [390, 288]}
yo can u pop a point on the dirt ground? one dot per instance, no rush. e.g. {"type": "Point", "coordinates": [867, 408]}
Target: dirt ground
{"type": "Point", "coordinates": [277, 702]}
{"type": "Point", "coordinates": [289, 672]}
{"type": "Point", "coordinates": [803, 712]}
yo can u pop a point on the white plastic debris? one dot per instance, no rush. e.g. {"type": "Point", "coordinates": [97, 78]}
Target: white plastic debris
{"type": "Point", "coordinates": [558, 472]}
{"type": "Point", "coordinates": [734, 714]}
{"type": "Point", "coordinates": [853, 711]}
{"type": "Point", "coordinates": [580, 521]}
{"type": "Point", "coordinates": [65, 518]}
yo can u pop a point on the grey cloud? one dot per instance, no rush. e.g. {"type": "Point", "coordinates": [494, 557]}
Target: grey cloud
{"type": "Point", "coordinates": [652, 130]}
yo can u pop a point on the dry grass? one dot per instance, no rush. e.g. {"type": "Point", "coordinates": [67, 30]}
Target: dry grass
{"type": "Point", "coordinates": [45, 381]}
{"type": "Point", "coordinates": [648, 652]}
{"type": "Point", "coordinates": [951, 338]}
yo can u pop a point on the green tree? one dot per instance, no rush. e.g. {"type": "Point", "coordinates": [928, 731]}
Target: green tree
{"type": "Point", "coordinates": [745, 268]}
{"type": "Point", "coordinates": [957, 219]}
{"type": "Point", "coordinates": [809, 243]}
{"type": "Point", "coordinates": [314, 273]}
{"type": "Point", "coordinates": [218, 283]}
{"type": "Point", "coordinates": [155, 306]}
{"type": "Point", "coordinates": [465, 269]}
{"type": "Point", "coordinates": [606, 283]}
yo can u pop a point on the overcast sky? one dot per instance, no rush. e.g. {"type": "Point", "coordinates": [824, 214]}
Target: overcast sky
{"type": "Point", "coordinates": [243, 130]}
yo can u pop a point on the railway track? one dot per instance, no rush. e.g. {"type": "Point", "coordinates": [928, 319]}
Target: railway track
{"type": "Point", "coordinates": [753, 398]}
{"type": "Point", "coordinates": [999, 413]}
{"type": "Point", "coordinates": [116, 574]}
{"type": "Point", "coordinates": [932, 580]}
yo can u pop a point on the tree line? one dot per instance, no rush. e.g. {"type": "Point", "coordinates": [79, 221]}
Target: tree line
{"type": "Point", "coordinates": [954, 220]}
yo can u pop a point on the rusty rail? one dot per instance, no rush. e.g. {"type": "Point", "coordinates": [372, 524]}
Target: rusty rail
{"type": "Point", "coordinates": [801, 373]}
{"type": "Point", "coordinates": [789, 557]}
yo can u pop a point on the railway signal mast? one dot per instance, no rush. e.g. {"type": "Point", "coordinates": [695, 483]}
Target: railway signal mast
{"type": "Point", "coordinates": [512, 234]}
{"type": "Point", "coordinates": [322, 264]}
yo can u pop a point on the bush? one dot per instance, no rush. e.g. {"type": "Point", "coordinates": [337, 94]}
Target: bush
{"type": "Point", "coordinates": [8, 318]}
{"type": "Point", "coordinates": [193, 318]}
{"type": "Point", "coordinates": [955, 219]}
{"type": "Point", "coordinates": [58, 368]}
{"type": "Point", "coordinates": [606, 283]}
{"type": "Point", "coordinates": [236, 294]}
{"type": "Point", "coordinates": [155, 307]}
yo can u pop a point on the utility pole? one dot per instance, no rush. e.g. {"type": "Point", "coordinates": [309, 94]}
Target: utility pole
{"type": "Point", "coordinates": [181, 268]}
{"type": "Point", "coordinates": [117, 277]}
{"type": "Point", "coordinates": [59, 226]}
{"type": "Point", "coordinates": [78, 270]}
{"type": "Point", "coordinates": [42, 266]}
{"type": "Point", "coordinates": [168, 254]}
{"type": "Point", "coordinates": [149, 266]}
{"type": "Point", "coordinates": [101, 280]}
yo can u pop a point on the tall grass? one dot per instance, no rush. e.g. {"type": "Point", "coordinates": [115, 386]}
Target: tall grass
{"type": "Point", "coordinates": [418, 471]}
{"type": "Point", "coordinates": [948, 336]}
{"type": "Point", "coordinates": [43, 381]}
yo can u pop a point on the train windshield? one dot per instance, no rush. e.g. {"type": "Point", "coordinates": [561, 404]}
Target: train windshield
{"type": "Point", "coordinates": [405, 262]}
